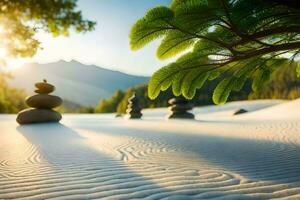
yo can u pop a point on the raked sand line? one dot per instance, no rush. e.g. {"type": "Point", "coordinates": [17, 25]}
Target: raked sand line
{"type": "Point", "coordinates": [276, 149]}
{"type": "Point", "coordinates": [119, 159]}
{"type": "Point", "coordinates": [177, 172]}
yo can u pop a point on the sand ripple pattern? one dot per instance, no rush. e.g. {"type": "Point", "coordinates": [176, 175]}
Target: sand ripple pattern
{"type": "Point", "coordinates": [140, 161]}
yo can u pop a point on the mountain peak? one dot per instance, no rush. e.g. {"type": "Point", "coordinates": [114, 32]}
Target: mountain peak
{"type": "Point", "coordinates": [75, 62]}
{"type": "Point", "coordinates": [77, 82]}
{"type": "Point", "coordinates": [65, 61]}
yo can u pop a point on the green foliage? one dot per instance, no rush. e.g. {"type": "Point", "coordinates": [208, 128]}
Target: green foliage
{"type": "Point", "coordinates": [222, 91]}
{"type": "Point", "coordinates": [173, 43]}
{"type": "Point", "coordinates": [197, 81]}
{"type": "Point", "coordinates": [71, 107]}
{"type": "Point", "coordinates": [175, 74]}
{"type": "Point", "coordinates": [120, 106]}
{"type": "Point", "coordinates": [261, 77]}
{"type": "Point", "coordinates": [228, 41]}
{"type": "Point", "coordinates": [11, 99]}
{"type": "Point", "coordinates": [109, 105]}
{"type": "Point", "coordinates": [20, 20]}
{"type": "Point", "coordinates": [298, 69]}
{"type": "Point", "coordinates": [283, 84]}
{"type": "Point", "coordinates": [201, 97]}
{"type": "Point", "coordinates": [142, 93]}
{"type": "Point", "coordinates": [153, 25]}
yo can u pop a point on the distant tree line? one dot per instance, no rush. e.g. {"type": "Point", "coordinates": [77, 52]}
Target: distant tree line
{"type": "Point", "coordinates": [283, 84]}
{"type": "Point", "coordinates": [71, 107]}
{"type": "Point", "coordinates": [11, 99]}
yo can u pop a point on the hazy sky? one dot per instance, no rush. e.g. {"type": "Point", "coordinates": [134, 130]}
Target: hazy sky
{"type": "Point", "coordinates": [108, 44]}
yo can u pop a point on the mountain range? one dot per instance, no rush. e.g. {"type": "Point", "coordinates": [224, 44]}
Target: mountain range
{"type": "Point", "coordinates": [75, 82]}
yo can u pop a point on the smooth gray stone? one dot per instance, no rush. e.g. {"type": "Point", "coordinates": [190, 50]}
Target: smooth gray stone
{"type": "Point", "coordinates": [133, 113]}
{"type": "Point", "coordinates": [33, 115]}
{"type": "Point", "coordinates": [181, 107]}
{"type": "Point", "coordinates": [44, 101]}
{"type": "Point", "coordinates": [178, 100]}
{"type": "Point", "coordinates": [44, 88]}
{"type": "Point", "coordinates": [185, 115]}
{"type": "Point", "coordinates": [134, 116]}
{"type": "Point", "coordinates": [132, 106]}
{"type": "Point", "coordinates": [133, 110]}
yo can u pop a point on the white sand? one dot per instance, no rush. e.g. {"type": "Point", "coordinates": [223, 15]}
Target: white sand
{"type": "Point", "coordinates": [212, 112]}
{"type": "Point", "coordinates": [250, 156]}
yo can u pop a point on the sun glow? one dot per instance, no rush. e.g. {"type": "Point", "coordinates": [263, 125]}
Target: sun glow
{"type": "Point", "coordinates": [12, 64]}
{"type": "Point", "coordinates": [3, 56]}
{"type": "Point", "coordinates": [3, 53]}
{"type": "Point", "coordinates": [8, 63]}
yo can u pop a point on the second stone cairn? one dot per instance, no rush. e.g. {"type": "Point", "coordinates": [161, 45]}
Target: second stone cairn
{"type": "Point", "coordinates": [179, 108]}
{"type": "Point", "coordinates": [133, 108]}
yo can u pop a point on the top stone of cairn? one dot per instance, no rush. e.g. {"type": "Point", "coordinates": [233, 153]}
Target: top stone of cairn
{"type": "Point", "coordinates": [44, 87]}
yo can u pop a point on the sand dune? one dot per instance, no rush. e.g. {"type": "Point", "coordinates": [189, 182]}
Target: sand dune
{"type": "Point", "coordinates": [99, 156]}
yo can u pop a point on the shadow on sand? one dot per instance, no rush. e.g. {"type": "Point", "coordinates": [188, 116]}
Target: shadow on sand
{"type": "Point", "coordinates": [87, 173]}
{"type": "Point", "coordinates": [83, 172]}
{"type": "Point", "coordinates": [266, 160]}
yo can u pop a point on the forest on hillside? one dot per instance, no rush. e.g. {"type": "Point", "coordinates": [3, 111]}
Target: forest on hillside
{"type": "Point", "coordinates": [283, 84]}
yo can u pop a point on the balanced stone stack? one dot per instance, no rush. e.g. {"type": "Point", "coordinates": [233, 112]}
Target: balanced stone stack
{"type": "Point", "coordinates": [41, 106]}
{"type": "Point", "coordinates": [133, 108]}
{"type": "Point", "coordinates": [179, 108]}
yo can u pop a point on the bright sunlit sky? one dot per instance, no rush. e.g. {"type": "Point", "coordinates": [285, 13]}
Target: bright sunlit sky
{"type": "Point", "coordinates": [108, 45]}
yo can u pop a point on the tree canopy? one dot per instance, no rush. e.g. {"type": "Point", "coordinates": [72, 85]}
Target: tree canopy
{"type": "Point", "coordinates": [110, 105]}
{"type": "Point", "coordinates": [232, 40]}
{"type": "Point", "coordinates": [20, 20]}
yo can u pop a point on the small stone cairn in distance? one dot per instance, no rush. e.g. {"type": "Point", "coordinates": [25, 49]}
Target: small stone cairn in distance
{"type": "Point", "coordinates": [41, 106]}
{"type": "Point", "coordinates": [133, 108]}
{"type": "Point", "coordinates": [179, 108]}
{"type": "Point", "coordinates": [240, 111]}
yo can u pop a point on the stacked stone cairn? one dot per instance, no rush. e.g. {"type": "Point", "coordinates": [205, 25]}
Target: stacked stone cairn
{"type": "Point", "coordinates": [179, 107]}
{"type": "Point", "coordinates": [133, 108]}
{"type": "Point", "coordinates": [41, 106]}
